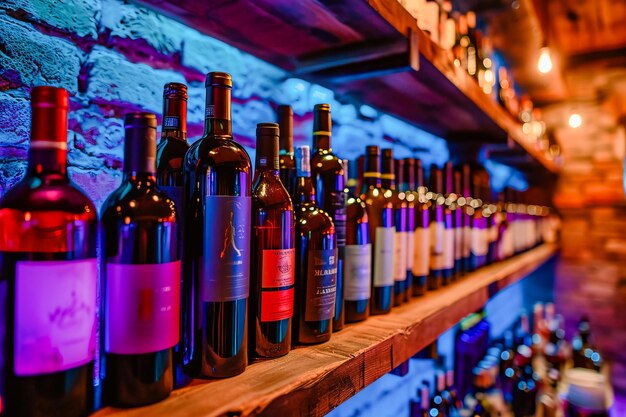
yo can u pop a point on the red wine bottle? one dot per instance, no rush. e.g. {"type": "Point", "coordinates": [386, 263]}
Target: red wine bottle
{"type": "Point", "coordinates": [141, 269]}
{"type": "Point", "coordinates": [382, 233]}
{"type": "Point", "coordinates": [437, 229]}
{"type": "Point", "coordinates": [218, 193]}
{"type": "Point", "coordinates": [388, 182]}
{"type": "Point", "coordinates": [273, 252]}
{"type": "Point", "coordinates": [327, 177]}
{"type": "Point", "coordinates": [448, 236]}
{"type": "Point", "coordinates": [357, 266]}
{"type": "Point", "coordinates": [287, 162]}
{"type": "Point", "coordinates": [316, 261]}
{"type": "Point", "coordinates": [405, 176]}
{"type": "Point", "coordinates": [170, 179]}
{"type": "Point", "coordinates": [479, 245]}
{"type": "Point", "coordinates": [421, 234]}
{"type": "Point", "coordinates": [48, 277]}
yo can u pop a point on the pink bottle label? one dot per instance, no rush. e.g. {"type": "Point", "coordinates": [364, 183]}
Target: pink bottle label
{"type": "Point", "coordinates": [55, 315]}
{"type": "Point", "coordinates": [142, 307]}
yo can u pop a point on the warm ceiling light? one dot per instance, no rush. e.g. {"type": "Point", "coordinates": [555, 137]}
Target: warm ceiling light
{"type": "Point", "coordinates": [575, 120]}
{"type": "Point", "coordinates": [544, 65]}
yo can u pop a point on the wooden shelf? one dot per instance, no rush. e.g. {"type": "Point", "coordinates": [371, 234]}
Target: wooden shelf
{"type": "Point", "coordinates": [314, 380]}
{"type": "Point", "coordinates": [365, 50]}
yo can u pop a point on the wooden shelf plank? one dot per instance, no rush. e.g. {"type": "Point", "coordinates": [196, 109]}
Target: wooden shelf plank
{"type": "Point", "coordinates": [439, 97]}
{"type": "Point", "coordinates": [313, 380]}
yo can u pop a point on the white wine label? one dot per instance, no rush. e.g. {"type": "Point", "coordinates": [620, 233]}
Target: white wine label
{"type": "Point", "coordinates": [421, 258]}
{"type": "Point", "coordinates": [467, 241]}
{"type": "Point", "coordinates": [437, 231]}
{"type": "Point", "coordinates": [410, 251]}
{"type": "Point", "coordinates": [458, 243]}
{"type": "Point", "coordinates": [448, 248]}
{"type": "Point", "coordinates": [399, 263]}
{"type": "Point", "coordinates": [479, 244]}
{"type": "Point", "coordinates": [357, 272]}
{"type": "Point", "coordinates": [384, 252]}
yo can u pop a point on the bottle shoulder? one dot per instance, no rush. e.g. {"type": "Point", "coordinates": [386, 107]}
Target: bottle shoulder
{"type": "Point", "coordinates": [210, 151]}
{"type": "Point", "coordinates": [312, 218]}
{"type": "Point", "coordinates": [326, 162]}
{"type": "Point", "coordinates": [268, 191]}
{"type": "Point", "coordinates": [374, 196]}
{"type": "Point", "coordinates": [50, 193]}
{"type": "Point", "coordinates": [139, 201]}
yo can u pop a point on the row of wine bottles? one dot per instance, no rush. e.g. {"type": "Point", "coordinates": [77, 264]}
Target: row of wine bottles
{"type": "Point", "coordinates": [195, 263]}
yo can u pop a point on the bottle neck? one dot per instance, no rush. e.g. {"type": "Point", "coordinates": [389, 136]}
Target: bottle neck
{"type": "Point", "coordinates": [388, 181]}
{"type": "Point", "coordinates": [321, 143]}
{"type": "Point", "coordinates": [371, 174]}
{"type": "Point", "coordinates": [48, 135]}
{"type": "Point", "coordinates": [174, 119]}
{"type": "Point", "coordinates": [47, 160]}
{"type": "Point", "coordinates": [139, 177]}
{"type": "Point", "coordinates": [217, 121]}
{"type": "Point", "coordinates": [266, 164]}
{"type": "Point", "coordinates": [305, 192]}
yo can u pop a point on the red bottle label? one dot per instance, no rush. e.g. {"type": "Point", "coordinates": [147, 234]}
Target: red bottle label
{"type": "Point", "coordinates": [55, 315]}
{"type": "Point", "coordinates": [321, 285]}
{"type": "Point", "coordinates": [277, 280]}
{"type": "Point", "coordinates": [142, 307]}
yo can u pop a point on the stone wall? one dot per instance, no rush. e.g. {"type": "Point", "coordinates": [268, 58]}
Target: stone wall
{"type": "Point", "coordinates": [114, 57]}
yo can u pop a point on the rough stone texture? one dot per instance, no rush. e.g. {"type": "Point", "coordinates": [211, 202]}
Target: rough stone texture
{"type": "Point", "coordinates": [79, 17]}
{"type": "Point", "coordinates": [128, 21]}
{"type": "Point", "coordinates": [115, 81]}
{"type": "Point", "coordinates": [38, 59]}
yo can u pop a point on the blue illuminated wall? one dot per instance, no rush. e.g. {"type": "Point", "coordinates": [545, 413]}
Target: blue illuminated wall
{"type": "Point", "coordinates": [115, 57]}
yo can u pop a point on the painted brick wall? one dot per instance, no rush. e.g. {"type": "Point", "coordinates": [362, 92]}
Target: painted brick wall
{"type": "Point", "coordinates": [115, 57]}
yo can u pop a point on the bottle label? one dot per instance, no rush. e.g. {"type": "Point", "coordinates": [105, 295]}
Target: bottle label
{"type": "Point", "coordinates": [339, 216]}
{"type": "Point", "coordinates": [448, 248]}
{"type": "Point", "coordinates": [399, 262]}
{"type": "Point", "coordinates": [410, 250]}
{"type": "Point", "coordinates": [357, 273]}
{"type": "Point", "coordinates": [479, 244]}
{"type": "Point", "coordinates": [277, 281]}
{"type": "Point", "coordinates": [437, 231]}
{"type": "Point", "coordinates": [384, 252]}
{"type": "Point", "coordinates": [55, 315]}
{"type": "Point", "coordinates": [421, 258]}
{"type": "Point", "coordinates": [171, 122]}
{"type": "Point", "coordinates": [226, 254]}
{"type": "Point", "coordinates": [467, 241]}
{"type": "Point", "coordinates": [321, 285]}
{"type": "Point", "coordinates": [142, 307]}
{"type": "Point", "coordinates": [458, 243]}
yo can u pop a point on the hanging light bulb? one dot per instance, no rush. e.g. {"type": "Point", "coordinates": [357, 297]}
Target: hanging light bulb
{"type": "Point", "coordinates": [544, 65]}
{"type": "Point", "coordinates": [575, 121]}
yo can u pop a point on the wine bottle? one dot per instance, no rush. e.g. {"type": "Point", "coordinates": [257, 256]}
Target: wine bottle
{"type": "Point", "coordinates": [170, 179]}
{"type": "Point", "coordinates": [398, 200]}
{"type": "Point", "coordinates": [48, 277]}
{"type": "Point", "coordinates": [421, 234]}
{"type": "Point", "coordinates": [273, 252]}
{"type": "Point", "coordinates": [437, 229]}
{"type": "Point", "coordinates": [457, 223]}
{"type": "Point", "coordinates": [327, 177]}
{"type": "Point", "coordinates": [479, 233]}
{"type": "Point", "coordinates": [466, 178]}
{"type": "Point", "coordinates": [382, 231]}
{"type": "Point", "coordinates": [448, 235]}
{"type": "Point", "coordinates": [419, 405]}
{"type": "Point", "coordinates": [218, 197]}
{"type": "Point", "coordinates": [316, 261]}
{"type": "Point", "coordinates": [405, 170]}
{"type": "Point", "coordinates": [287, 162]}
{"type": "Point", "coordinates": [141, 269]}
{"type": "Point", "coordinates": [357, 264]}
